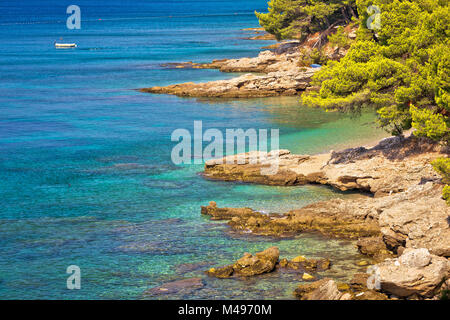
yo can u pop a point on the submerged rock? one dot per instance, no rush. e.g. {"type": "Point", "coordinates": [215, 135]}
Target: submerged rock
{"type": "Point", "coordinates": [184, 286]}
{"type": "Point", "coordinates": [303, 264]}
{"type": "Point", "coordinates": [374, 247]}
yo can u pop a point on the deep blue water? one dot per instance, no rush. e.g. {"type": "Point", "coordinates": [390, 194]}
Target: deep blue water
{"type": "Point", "coordinates": [86, 175]}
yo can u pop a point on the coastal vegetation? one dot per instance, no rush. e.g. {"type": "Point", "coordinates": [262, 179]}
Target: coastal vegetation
{"type": "Point", "coordinates": [442, 165]}
{"type": "Point", "coordinates": [288, 19]}
{"type": "Point", "coordinates": [401, 68]}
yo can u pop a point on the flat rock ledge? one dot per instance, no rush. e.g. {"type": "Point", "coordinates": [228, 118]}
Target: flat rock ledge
{"type": "Point", "coordinates": [392, 166]}
{"type": "Point", "coordinates": [330, 218]}
{"type": "Point", "coordinates": [287, 83]}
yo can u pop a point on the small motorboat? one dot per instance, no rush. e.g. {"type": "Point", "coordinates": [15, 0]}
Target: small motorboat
{"type": "Point", "coordinates": [65, 45]}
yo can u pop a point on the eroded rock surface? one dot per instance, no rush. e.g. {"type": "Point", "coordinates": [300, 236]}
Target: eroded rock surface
{"type": "Point", "coordinates": [249, 265]}
{"type": "Point", "coordinates": [303, 264]}
{"type": "Point", "coordinates": [390, 167]}
{"type": "Point", "coordinates": [324, 289]}
{"type": "Point", "coordinates": [288, 83]}
{"type": "Point", "coordinates": [416, 274]}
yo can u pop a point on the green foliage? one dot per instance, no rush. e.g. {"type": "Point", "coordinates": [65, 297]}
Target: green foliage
{"type": "Point", "coordinates": [428, 124]}
{"type": "Point", "coordinates": [406, 61]}
{"type": "Point", "coordinates": [446, 194]}
{"type": "Point", "coordinates": [288, 19]}
{"type": "Point", "coordinates": [308, 57]}
{"type": "Point", "coordinates": [339, 38]}
{"type": "Point", "coordinates": [445, 295]}
{"type": "Point", "coordinates": [442, 165]}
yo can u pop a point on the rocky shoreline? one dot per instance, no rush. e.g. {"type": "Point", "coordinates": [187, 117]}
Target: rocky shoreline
{"type": "Point", "coordinates": [404, 227]}
{"type": "Point", "coordinates": [275, 72]}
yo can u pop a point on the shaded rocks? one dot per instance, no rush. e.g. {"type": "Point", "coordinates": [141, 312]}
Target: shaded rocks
{"type": "Point", "coordinates": [416, 274]}
{"type": "Point", "coordinates": [327, 289]}
{"type": "Point", "coordinates": [185, 286]}
{"type": "Point", "coordinates": [217, 213]}
{"type": "Point", "coordinates": [303, 264]}
{"type": "Point", "coordinates": [324, 289]}
{"type": "Point", "coordinates": [249, 265]}
{"type": "Point", "coordinates": [359, 291]}
{"type": "Point", "coordinates": [374, 247]}
{"type": "Point", "coordinates": [417, 218]}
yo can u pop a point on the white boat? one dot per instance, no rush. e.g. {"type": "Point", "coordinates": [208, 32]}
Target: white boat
{"type": "Point", "coordinates": [65, 45]}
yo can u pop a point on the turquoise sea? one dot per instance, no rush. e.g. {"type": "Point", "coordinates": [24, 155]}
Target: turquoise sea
{"type": "Point", "coordinates": [85, 171]}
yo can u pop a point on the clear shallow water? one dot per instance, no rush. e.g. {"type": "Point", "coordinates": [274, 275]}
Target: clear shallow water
{"type": "Point", "coordinates": [86, 176]}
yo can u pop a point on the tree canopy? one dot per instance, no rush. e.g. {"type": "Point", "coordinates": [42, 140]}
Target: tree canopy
{"type": "Point", "coordinates": [298, 18]}
{"type": "Point", "coordinates": [401, 69]}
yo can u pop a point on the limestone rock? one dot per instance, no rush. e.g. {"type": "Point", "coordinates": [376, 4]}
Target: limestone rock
{"type": "Point", "coordinates": [288, 82]}
{"type": "Point", "coordinates": [412, 275]}
{"type": "Point", "coordinates": [415, 258]}
{"type": "Point", "coordinates": [249, 265]}
{"type": "Point", "coordinates": [303, 264]}
{"type": "Point", "coordinates": [324, 289]}
{"type": "Point", "coordinates": [261, 262]}
{"type": "Point", "coordinates": [307, 277]}
{"type": "Point", "coordinates": [390, 167]}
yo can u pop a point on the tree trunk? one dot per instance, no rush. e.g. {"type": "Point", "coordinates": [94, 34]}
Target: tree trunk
{"type": "Point", "coordinates": [352, 12]}
{"type": "Point", "coordinates": [344, 14]}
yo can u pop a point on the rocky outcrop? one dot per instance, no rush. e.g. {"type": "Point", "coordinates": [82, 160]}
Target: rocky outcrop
{"type": "Point", "coordinates": [417, 218]}
{"type": "Point", "coordinates": [374, 247]}
{"type": "Point", "coordinates": [385, 219]}
{"type": "Point", "coordinates": [333, 218]}
{"type": "Point", "coordinates": [277, 83]}
{"type": "Point", "coordinates": [249, 265]}
{"type": "Point", "coordinates": [415, 274]}
{"type": "Point", "coordinates": [407, 211]}
{"type": "Point", "coordinates": [324, 289]}
{"type": "Point", "coordinates": [271, 73]}
{"type": "Point", "coordinates": [390, 167]}
{"type": "Point", "coordinates": [284, 58]}
{"type": "Point", "coordinates": [304, 265]}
